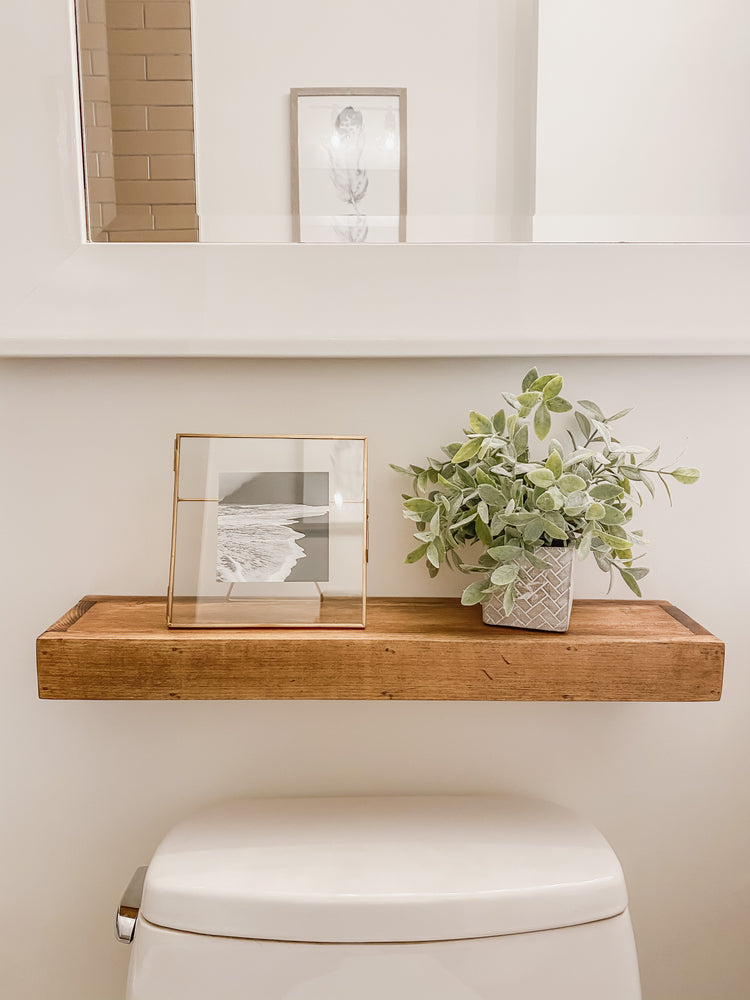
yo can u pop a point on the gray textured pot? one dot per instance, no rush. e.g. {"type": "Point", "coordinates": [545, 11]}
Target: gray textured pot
{"type": "Point", "coordinates": [545, 595]}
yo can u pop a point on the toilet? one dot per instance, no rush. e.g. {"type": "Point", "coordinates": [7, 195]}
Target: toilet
{"type": "Point", "coordinates": [381, 898]}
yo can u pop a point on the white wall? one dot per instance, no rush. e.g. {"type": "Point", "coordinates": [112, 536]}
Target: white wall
{"type": "Point", "coordinates": [468, 87]}
{"type": "Point", "coordinates": [641, 125]}
{"type": "Point", "coordinates": [89, 788]}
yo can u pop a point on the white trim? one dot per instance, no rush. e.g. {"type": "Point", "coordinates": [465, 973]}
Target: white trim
{"type": "Point", "coordinates": [78, 114]}
{"type": "Point", "coordinates": [219, 300]}
{"type": "Point", "coordinates": [285, 300]}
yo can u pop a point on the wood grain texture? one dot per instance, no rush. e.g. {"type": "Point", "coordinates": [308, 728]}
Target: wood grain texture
{"type": "Point", "coordinates": [411, 649]}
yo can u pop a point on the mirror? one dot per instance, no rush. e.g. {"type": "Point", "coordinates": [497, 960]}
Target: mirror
{"type": "Point", "coordinates": [425, 121]}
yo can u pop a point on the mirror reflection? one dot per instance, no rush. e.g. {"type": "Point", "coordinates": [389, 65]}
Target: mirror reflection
{"type": "Point", "coordinates": [433, 121]}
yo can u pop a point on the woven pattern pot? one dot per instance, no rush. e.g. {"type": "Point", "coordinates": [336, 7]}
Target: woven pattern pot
{"type": "Point", "coordinates": [544, 597]}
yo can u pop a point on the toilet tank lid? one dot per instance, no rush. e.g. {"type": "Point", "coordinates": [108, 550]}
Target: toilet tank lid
{"type": "Point", "coordinates": [373, 869]}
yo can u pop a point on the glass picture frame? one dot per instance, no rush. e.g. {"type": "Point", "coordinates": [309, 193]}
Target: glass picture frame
{"type": "Point", "coordinates": [348, 164]}
{"type": "Point", "coordinates": [268, 531]}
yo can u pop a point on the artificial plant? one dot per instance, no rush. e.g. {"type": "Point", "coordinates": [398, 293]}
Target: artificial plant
{"type": "Point", "coordinates": [489, 492]}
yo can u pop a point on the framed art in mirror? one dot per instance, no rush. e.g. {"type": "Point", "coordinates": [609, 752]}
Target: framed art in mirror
{"type": "Point", "coordinates": [348, 158]}
{"type": "Point", "coordinates": [268, 531]}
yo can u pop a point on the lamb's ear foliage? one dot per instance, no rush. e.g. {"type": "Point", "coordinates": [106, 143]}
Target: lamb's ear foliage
{"type": "Point", "coordinates": [487, 490]}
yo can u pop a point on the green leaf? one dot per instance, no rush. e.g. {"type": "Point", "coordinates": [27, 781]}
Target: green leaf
{"type": "Point", "coordinates": [536, 562]}
{"type": "Point", "coordinates": [498, 421]}
{"type": "Point", "coordinates": [419, 506]}
{"type": "Point", "coordinates": [630, 580]}
{"type": "Point", "coordinates": [497, 524]}
{"type": "Point", "coordinates": [464, 520]}
{"type": "Point", "coordinates": [482, 477]}
{"type": "Point", "coordinates": [423, 481]}
{"type": "Point", "coordinates": [542, 421]}
{"type": "Point", "coordinates": [468, 450]}
{"type": "Point", "coordinates": [529, 378]}
{"type": "Point", "coordinates": [541, 477]}
{"type": "Point", "coordinates": [454, 560]}
{"type": "Point", "coordinates": [528, 398]}
{"type": "Point", "coordinates": [474, 593]}
{"type": "Point", "coordinates": [551, 499]}
{"type": "Point", "coordinates": [638, 571]}
{"type": "Point", "coordinates": [451, 487]}
{"type": "Point", "coordinates": [479, 423]}
{"type": "Point", "coordinates": [424, 536]}
{"type": "Point", "coordinates": [509, 599]}
{"type": "Point", "coordinates": [540, 383]}
{"type": "Point", "coordinates": [432, 555]}
{"type": "Point", "coordinates": [505, 574]}
{"type": "Point", "coordinates": [521, 439]}
{"type": "Point", "coordinates": [483, 533]}
{"type": "Point", "coordinates": [605, 491]}
{"type": "Point", "coordinates": [464, 477]}
{"type": "Point", "coordinates": [612, 516]}
{"type": "Point", "coordinates": [584, 546]}
{"type": "Point", "coordinates": [584, 423]}
{"type": "Point", "coordinates": [398, 468]}
{"type": "Point", "coordinates": [570, 483]}
{"type": "Point", "coordinates": [685, 476]}
{"type": "Point", "coordinates": [553, 530]}
{"type": "Point", "coordinates": [503, 553]}
{"type": "Point", "coordinates": [631, 472]}
{"type": "Point", "coordinates": [603, 432]}
{"type": "Point", "coordinates": [554, 464]}
{"type": "Point", "coordinates": [491, 495]}
{"type": "Point", "coordinates": [483, 512]}
{"type": "Point", "coordinates": [595, 512]}
{"type": "Point", "coordinates": [576, 503]}
{"type": "Point", "coordinates": [552, 388]}
{"type": "Point", "coordinates": [614, 541]}
{"type": "Point", "coordinates": [559, 405]}
{"type": "Point", "coordinates": [592, 408]}
{"type": "Point", "coordinates": [619, 414]}
{"type": "Point", "coordinates": [603, 561]}
{"type": "Point", "coordinates": [533, 531]}
{"type": "Point", "coordinates": [416, 554]}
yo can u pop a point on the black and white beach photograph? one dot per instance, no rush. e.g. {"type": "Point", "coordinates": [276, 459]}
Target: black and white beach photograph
{"type": "Point", "coordinates": [272, 527]}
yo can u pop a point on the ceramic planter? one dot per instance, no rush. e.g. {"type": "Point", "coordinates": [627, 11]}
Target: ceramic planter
{"type": "Point", "coordinates": [545, 595]}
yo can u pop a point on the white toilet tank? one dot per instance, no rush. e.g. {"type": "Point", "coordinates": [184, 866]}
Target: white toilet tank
{"type": "Point", "coordinates": [384, 898]}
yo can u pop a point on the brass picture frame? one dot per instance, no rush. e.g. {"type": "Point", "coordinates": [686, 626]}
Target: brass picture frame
{"type": "Point", "coordinates": [348, 164]}
{"type": "Point", "coordinates": [268, 531]}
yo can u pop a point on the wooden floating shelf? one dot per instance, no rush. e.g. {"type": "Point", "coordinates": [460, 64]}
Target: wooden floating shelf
{"type": "Point", "coordinates": [412, 649]}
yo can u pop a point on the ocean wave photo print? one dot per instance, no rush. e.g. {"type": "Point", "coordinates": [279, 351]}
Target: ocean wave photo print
{"type": "Point", "coordinates": [272, 527]}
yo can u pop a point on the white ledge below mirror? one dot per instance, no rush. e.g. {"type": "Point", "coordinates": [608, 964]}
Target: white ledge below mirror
{"type": "Point", "coordinates": [218, 300]}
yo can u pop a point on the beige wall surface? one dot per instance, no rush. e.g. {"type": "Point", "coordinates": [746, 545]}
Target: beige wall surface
{"type": "Point", "coordinates": [89, 788]}
{"type": "Point", "coordinates": [637, 121]}
{"type": "Point", "coordinates": [468, 70]}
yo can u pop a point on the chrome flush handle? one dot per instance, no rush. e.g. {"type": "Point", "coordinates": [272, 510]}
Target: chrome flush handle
{"type": "Point", "coordinates": [130, 904]}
